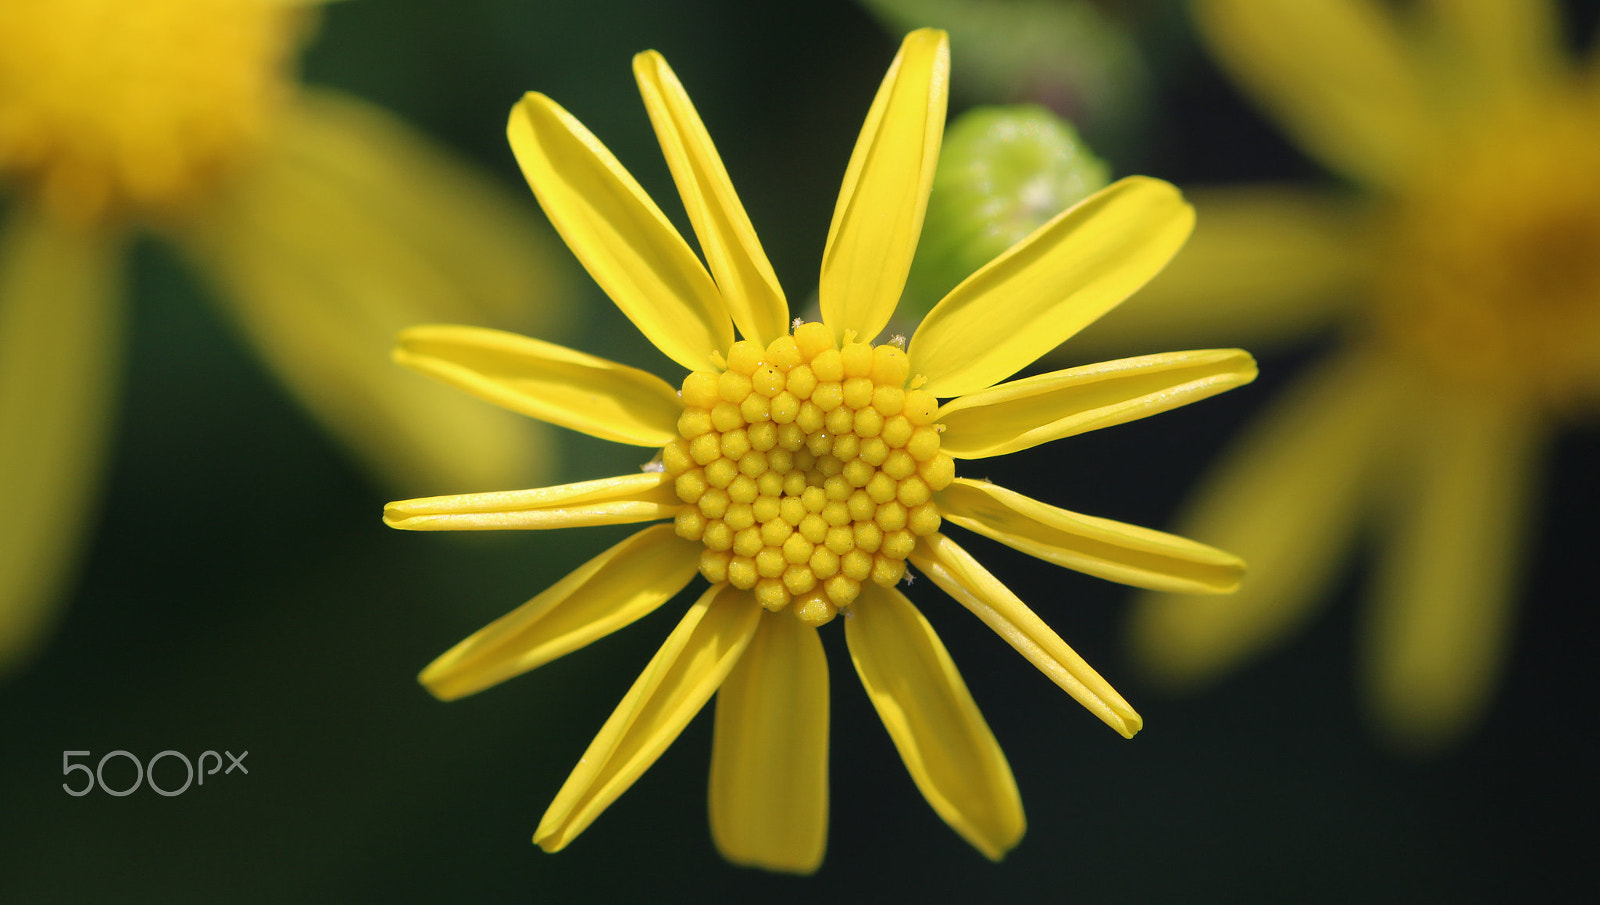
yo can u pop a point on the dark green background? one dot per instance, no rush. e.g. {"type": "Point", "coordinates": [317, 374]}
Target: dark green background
{"type": "Point", "coordinates": [240, 592]}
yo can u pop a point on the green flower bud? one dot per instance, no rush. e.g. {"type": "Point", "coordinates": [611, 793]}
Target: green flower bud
{"type": "Point", "coordinates": [1003, 172]}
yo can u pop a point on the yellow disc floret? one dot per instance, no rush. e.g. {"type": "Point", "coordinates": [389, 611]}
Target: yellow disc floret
{"type": "Point", "coordinates": [1489, 275]}
{"type": "Point", "coordinates": [807, 469]}
{"type": "Point", "coordinates": [107, 105]}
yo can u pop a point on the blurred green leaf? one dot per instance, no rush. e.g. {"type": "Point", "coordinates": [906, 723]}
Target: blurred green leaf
{"type": "Point", "coordinates": [1068, 55]}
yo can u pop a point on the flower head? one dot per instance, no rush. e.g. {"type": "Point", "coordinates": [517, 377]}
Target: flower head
{"type": "Point", "coordinates": [117, 106]}
{"type": "Point", "coordinates": [324, 223]}
{"type": "Point", "coordinates": [804, 467]}
{"type": "Point", "coordinates": [1469, 286]}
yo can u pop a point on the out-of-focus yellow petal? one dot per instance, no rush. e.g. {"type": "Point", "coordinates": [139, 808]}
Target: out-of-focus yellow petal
{"type": "Point", "coordinates": [935, 724]}
{"type": "Point", "coordinates": [546, 381]}
{"type": "Point", "coordinates": [1506, 50]}
{"type": "Point", "coordinates": [1337, 73]}
{"type": "Point", "coordinates": [1266, 265]}
{"type": "Point", "coordinates": [619, 234]}
{"type": "Point", "coordinates": [769, 755]}
{"type": "Point", "coordinates": [962, 577]}
{"type": "Point", "coordinates": [348, 228]}
{"type": "Point", "coordinates": [878, 218]}
{"type": "Point", "coordinates": [608, 501]}
{"type": "Point", "coordinates": [1096, 546]}
{"type": "Point", "coordinates": [1035, 410]}
{"type": "Point", "coordinates": [485, 239]}
{"type": "Point", "coordinates": [681, 677]}
{"type": "Point", "coordinates": [1440, 616]}
{"type": "Point", "coordinates": [1052, 284]}
{"type": "Point", "coordinates": [604, 594]}
{"type": "Point", "coordinates": [739, 266]}
{"type": "Point", "coordinates": [59, 331]}
{"type": "Point", "coordinates": [1286, 501]}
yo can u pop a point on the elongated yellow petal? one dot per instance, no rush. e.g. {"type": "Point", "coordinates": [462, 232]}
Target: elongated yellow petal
{"type": "Point", "coordinates": [1101, 547]}
{"type": "Point", "coordinates": [1265, 265]}
{"type": "Point", "coordinates": [1285, 501]}
{"type": "Point", "coordinates": [935, 724]}
{"type": "Point", "coordinates": [1440, 617]}
{"type": "Point", "coordinates": [488, 250]}
{"type": "Point", "coordinates": [769, 755]}
{"type": "Point", "coordinates": [878, 218]}
{"type": "Point", "coordinates": [962, 577]}
{"type": "Point", "coordinates": [1506, 50]}
{"type": "Point", "coordinates": [1035, 410]}
{"type": "Point", "coordinates": [681, 677]}
{"type": "Point", "coordinates": [348, 228]}
{"type": "Point", "coordinates": [607, 501]}
{"type": "Point", "coordinates": [1336, 72]}
{"type": "Point", "coordinates": [604, 594]}
{"type": "Point", "coordinates": [749, 287]}
{"type": "Point", "coordinates": [546, 381]}
{"type": "Point", "coordinates": [619, 234]}
{"type": "Point", "coordinates": [1052, 284]}
{"type": "Point", "coordinates": [59, 332]}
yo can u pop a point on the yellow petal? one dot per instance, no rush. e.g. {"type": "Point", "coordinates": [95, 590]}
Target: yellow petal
{"type": "Point", "coordinates": [1101, 547]}
{"type": "Point", "coordinates": [962, 577]}
{"type": "Point", "coordinates": [1505, 50]}
{"type": "Point", "coordinates": [769, 755]}
{"type": "Point", "coordinates": [878, 218]}
{"type": "Point", "coordinates": [60, 326]}
{"type": "Point", "coordinates": [619, 234]}
{"type": "Point", "coordinates": [1025, 413]}
{"type": "Point", "coordinates": [546, 381]}
{"type": "Point", "coordinates": [935, 724]}
{"type": "Point", "coordinates": [607, 501]}
{"type": "Point", "coordinates": [1440, 615]}
{"type": "Point", "coordinates": [1052, 284]}
{"type": "Point", "coordinates": [1265, 265]}
{"type": "Point", "coordinates": [346, 229]}
{"type": "Point", "coordinates": [1286, 501]}
{"type": "Point", "coordinates": [1337, 73]}
{"type": "Point", "coordinates": [604, 594]}
{"type": "Point", "coordinates": [490, 245]}
{"type": "Point", "coordinates": [744, 276]}
{"type": "Point", "coordinates": [681, 677]}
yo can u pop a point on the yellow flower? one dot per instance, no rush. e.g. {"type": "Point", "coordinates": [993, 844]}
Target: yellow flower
{"type": "Point", "coordinates": [1468, 287]}
{"type": "Point", "coordinates": [325, 224]}
{"type": "Point", "coordinates": [803, 469]}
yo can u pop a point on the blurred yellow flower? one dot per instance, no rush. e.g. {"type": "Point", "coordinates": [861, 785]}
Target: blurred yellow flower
{"type": "Point", "coordinates": [803, 468]}
{"type": "Point", "coordinates": [325, 224]}
{"type": "Point", "coordinates": [1467, 284]}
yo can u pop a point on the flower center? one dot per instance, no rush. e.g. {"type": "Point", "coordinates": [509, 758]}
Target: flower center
{"type": "Point", "coordinates": [109, 104]}
{"type": "Point", "coordinates": [1492, 273]}
{"type": "Point", "coordinates": [808, 469]}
